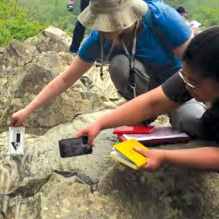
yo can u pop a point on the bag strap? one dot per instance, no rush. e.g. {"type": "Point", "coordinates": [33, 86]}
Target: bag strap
{"type": "Point", "coordinates": [104, 59]}
{"type": "Point", "coordinates": [131, 58]}
{"type": "Point", "coordinates": [150, 20]}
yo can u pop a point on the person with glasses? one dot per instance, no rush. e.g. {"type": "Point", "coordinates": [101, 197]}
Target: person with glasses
{"type": "Point", "coordinates": [144, 43]}
{"type": "Point", "coordinates": [198, 79]}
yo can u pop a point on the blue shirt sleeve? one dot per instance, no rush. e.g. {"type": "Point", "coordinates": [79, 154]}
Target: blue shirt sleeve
{"type": "Point", "coordinates": [169, 21]}
{"type": "Point", "coordinates": [90, 49]}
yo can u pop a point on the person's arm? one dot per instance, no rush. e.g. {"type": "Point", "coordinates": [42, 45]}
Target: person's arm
{"type": "Point", "coordinates": [205, 158]}
{"type": "Point", "coordinates": [60, 84]}
{"type": "Point", "coordinates": [57, 86]}
{"type": "Point", "coordinates": [143, 107]}
{"type": "Point", "coordinates": [158, 101]}
{"type": "Point", "coordinates": [174, 28]}
{"type": "Point", "coordinates": [178, 51]}
{"type": "Point", "coordinates": [170, 95]}
{"type": "Point", "coordinates": [201, 158]}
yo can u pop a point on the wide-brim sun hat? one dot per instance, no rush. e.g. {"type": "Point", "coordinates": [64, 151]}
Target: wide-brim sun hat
{"type": "Point", "coordinates": [112, 15]}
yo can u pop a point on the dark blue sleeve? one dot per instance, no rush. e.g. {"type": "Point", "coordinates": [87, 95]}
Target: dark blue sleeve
{"type": "Point", "coordinates": [90, 49]}
{"type": "Point", "coordinates": [169, 21]}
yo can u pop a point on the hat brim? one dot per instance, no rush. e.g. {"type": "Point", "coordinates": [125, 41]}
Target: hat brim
{"type": "Point", "coordinates": [109, 22]}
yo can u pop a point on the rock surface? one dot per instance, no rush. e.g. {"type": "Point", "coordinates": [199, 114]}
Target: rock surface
{"type": "Point", "coordinates": [41, 185]}
{"type": "Point", "coordinates": [25, 71]}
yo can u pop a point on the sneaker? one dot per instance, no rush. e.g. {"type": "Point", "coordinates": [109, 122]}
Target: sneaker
{"type": "Point", "coordinates": [70, 7]}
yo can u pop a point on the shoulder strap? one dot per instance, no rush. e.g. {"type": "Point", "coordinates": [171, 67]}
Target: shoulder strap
{"type": "Point", "coordinates": [104, 59]}
{"type": "Point", "coordinates": [150, 20]}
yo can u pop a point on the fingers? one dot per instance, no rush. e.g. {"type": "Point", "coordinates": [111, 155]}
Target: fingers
{"type": "Point", "coordinates": [91, 131]}
{"type": "Point", "coordinates": [143, 152]}
{"type": "Point", "coordinates": [148, 166]}
{"type": "Point", "coordinates": [84, 132]}
{"type": "Point", "coordinates": [90, 140]}
{"type": "Point", "coordinates": [19, 117]}
{"type": "Point", "coordinates": [155, 158]}
{"type": "Point", "coordinates": [14, 122]}
{"type": "Point", "coordinates": [24, 125]}
{"type": "Point", "coordinates": [79, 134]}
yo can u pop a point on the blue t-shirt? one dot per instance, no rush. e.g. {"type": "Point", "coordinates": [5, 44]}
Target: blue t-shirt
{"type": "Point", "coordinates": [157, 60]}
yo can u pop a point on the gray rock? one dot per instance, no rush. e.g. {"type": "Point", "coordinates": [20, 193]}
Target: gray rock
{"type": "Point", "coordinates": [18, 54]}
{"type": "Point", "coordinates": [41, 185]}
{"type": "Point", "coordinates": [54, 39]}
{"type": "Point", "coordinates": [21, 84]}
{"type": "Point", "coordinates": [104, 189]}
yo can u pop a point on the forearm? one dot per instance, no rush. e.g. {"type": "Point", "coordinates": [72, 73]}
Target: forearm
{"type": "Point", "coordinates": [200, 158]}
{"type": "Point", "coordinates": [60, 84]}
{"type": "Point", "coordinates": [146, 106]}
{"type": "Point", "coordinates": [128, 114]}
{"type": "Point", "coordinates": [52, 90]}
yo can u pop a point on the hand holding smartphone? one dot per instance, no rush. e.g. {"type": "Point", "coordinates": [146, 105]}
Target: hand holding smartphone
{"type": "Point", "coordinates": [74, 147]}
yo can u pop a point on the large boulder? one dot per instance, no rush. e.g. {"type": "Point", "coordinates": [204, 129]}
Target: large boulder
{"type": "Point", "coordinates": [17, 54]}
{"type": "Point", "coordinates": [41, 185]}
{"type": "Point", "coordinates": [25, 72]}
{"type": "Point", "coordinates": [53, 39]}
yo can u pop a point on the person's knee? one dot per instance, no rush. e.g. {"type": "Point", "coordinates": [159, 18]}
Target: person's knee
{"type": "Point", "coordinates": [187, 118]}
{"type": "Point", "coordinates": [119, 65]}
{"type": "Point", "coordinates": [119, 72]}
{"type": "Point", "coordinates": [191, 123]}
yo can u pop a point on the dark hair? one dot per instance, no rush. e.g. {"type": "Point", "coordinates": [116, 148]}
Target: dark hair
{"type": "Point", "coordinates": [202, 53]}
{"type": "Point", "coordinates": [181, 10]}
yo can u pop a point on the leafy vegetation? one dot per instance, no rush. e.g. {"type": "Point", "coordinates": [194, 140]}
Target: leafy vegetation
{"type": "Point", "coordinates": [205, 12]}
{"type": "Point", "coordinates": [20, 19]}
{"type": "Point", "coordinates": [15, 23]}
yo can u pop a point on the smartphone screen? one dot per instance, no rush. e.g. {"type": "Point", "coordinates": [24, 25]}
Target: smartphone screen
{"type": "Point", "coordinates": [74, 147]}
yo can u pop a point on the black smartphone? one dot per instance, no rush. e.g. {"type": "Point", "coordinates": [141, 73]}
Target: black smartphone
{"type": "Point", "coordinates": [74, 147]}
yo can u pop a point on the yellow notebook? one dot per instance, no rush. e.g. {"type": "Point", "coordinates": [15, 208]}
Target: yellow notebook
{"type": "Point", "coordinates": [124, 153]}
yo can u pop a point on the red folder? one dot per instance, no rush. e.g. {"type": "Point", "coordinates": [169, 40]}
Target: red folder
{"type": "Point", "coordinates": [133, 130]}
{"type": "Point", "coordinates": [159, 135]}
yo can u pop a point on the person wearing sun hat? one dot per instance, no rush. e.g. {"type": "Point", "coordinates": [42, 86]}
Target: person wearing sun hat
{"type": "Point", "coordinates": [199, 78]}
{"type": "Point", "coordinates": [123, 33]}
{"type": "Point", "coordinates": [110, 16]}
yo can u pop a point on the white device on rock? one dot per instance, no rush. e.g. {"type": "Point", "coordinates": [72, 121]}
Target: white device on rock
{"type": "Point", "coordinates": [16, 140]}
